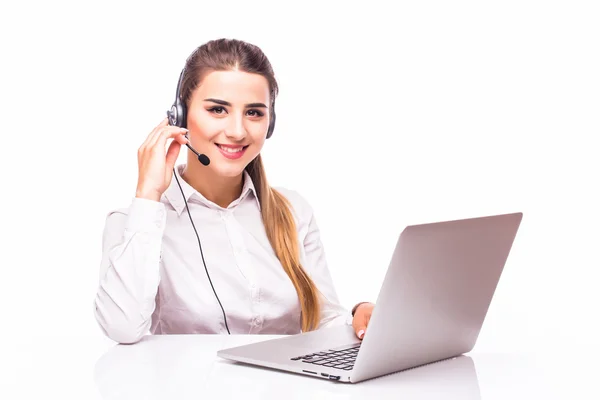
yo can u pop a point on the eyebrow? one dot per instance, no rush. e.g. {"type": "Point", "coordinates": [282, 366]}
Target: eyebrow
{"type": "Point", "coordinates": [226, 103]}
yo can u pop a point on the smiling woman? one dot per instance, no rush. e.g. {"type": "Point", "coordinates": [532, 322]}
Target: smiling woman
{"type": "Point", "coordinates": [261, 244]}
{"type": "Point", "coordinates": [227, 117]}
{"type": "Point", "coordinates": [234, 151]}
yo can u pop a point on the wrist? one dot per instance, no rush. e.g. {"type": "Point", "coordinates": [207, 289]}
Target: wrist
{"type": "Point", "coordinates": [147, 194]}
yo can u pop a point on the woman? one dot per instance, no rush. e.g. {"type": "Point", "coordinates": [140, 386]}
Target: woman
{"type": "Point", "coordinates": [216, 249]}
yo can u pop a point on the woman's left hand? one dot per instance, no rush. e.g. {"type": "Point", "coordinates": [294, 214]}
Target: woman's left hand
{"type": "Point", "coordinates": [361, 318]}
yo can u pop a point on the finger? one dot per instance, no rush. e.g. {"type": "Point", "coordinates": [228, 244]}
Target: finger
{"type": "Point", "coordinates": [172, 154]}
{"type": "Point", "coordinates": [183, 139]}
{"type": "Point", "coordinates": [359, 325]}
{"type": "Point", "coordinates": [161, 136]}
{"type": "Point", "coordinates": [360, 331]}
{"type": "Point", "coordinates": [152, 134]}
{"type": "Point", "coordinates": [163, 123]}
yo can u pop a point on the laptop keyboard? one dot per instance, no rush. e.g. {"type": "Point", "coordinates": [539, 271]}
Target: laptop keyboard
{"type": "Point", "coordinates": [340, 358]}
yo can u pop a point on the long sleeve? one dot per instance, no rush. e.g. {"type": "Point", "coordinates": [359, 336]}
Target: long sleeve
{"type": "Point", "coordinates": [129, 270]}
{"type": "Point", "coordinates": [332, 312]}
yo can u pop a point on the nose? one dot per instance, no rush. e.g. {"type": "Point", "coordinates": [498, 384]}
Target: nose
{"type": "Point", "coordinates": [235, 128]}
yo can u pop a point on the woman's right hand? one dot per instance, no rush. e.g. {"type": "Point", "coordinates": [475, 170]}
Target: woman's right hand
{"type": "Point", "coordinates": [156, 168]}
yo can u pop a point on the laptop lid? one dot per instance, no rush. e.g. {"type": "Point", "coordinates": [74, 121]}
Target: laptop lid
{"type": "Point", "coordinates": [436, 293]}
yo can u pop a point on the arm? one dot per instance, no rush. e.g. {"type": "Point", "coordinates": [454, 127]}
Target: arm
{"type": "Point", "coordinates": [332, 312]}
{"type": "Point", "coordinates": [129, 270]}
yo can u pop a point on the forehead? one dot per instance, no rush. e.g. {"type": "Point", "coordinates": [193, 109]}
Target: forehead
{"type": "Point", "coordinates": [235, 86]}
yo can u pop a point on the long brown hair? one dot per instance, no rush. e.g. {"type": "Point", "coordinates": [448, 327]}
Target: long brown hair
{"type": "Point", "coordinates": [233, 54]}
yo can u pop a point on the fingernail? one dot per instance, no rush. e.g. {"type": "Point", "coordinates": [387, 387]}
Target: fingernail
{"type": "Point", "coordinates": [361, 333]}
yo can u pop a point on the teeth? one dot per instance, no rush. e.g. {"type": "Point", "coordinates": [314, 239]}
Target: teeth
{"type": "Point", "coordinates": [231, 150]}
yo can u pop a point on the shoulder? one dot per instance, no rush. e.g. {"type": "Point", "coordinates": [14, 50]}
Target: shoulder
{"type": "Point", "coordinates": [300, 207]}
{"type": "Point", "coordinates": [299, 203]}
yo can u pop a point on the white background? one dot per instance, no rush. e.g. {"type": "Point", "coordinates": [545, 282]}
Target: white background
{"type": "Point", "coordinates": [387, 116]}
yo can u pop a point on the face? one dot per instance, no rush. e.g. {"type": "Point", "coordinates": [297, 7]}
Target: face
{"type": "Point", "coordinates": [228, 118]}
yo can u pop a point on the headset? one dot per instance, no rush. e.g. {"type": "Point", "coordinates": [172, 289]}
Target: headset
{"type": "Point", "coordinates": [178, 117]}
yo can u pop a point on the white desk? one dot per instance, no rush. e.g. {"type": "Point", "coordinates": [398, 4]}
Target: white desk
{"type": "Point", "coordinates": [185, 367]}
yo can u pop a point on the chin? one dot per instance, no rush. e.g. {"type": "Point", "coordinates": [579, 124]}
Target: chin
{"type": "Point", "coordinates": [230, 171]}
{"type": "Point", "coordinates": [229, 168]}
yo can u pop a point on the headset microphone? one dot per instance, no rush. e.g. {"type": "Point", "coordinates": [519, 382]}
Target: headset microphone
{"type": "Point", "coordinates": [203, 158]}
{"type": "Point", "coordinates": [178, 117]}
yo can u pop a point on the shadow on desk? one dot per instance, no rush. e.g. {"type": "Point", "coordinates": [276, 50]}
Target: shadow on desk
{"type": "Point", "coordinates": [186, 367]}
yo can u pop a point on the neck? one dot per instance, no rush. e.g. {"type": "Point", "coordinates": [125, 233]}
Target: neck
{"type": "Point", "coordinates": [220, 190]}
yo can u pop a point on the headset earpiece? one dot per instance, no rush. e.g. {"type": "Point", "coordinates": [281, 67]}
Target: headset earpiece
{"type": "Point", "coordinates": [178, 113]}
{"type": "Point", "coordinates": [271, 124]}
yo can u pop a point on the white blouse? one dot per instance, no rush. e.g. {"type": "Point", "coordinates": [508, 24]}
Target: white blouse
{"type": "Point", "coordinates": [152, 278]}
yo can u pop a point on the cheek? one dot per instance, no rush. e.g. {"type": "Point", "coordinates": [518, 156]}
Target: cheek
{"type": "Point", "coordinates": [258, 130]}
{"type": "Point", "coordinates": [258, 139]}
{"type": "Point", "coordinates": [203, 125]}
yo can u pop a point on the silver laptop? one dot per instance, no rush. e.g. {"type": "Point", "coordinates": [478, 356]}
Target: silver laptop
{"type": "Point", "coordinates": [431, 306]}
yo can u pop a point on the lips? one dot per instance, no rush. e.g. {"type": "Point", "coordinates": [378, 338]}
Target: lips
{"type": "Point", "coordinates": [231, 152]}
{"type": "Point", "coordinates": [230, 148]}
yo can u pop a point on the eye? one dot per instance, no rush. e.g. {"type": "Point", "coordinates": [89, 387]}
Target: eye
{"type": "Point", "coordinates": [258, 113]}
{"type": "Point", "coordinates": [216, 108]}
{"type": "Point", "coordinates": [220, 109]}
